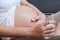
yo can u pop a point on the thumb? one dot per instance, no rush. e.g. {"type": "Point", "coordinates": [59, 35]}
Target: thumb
{"type": "Point", "coordinates": [46, 22]}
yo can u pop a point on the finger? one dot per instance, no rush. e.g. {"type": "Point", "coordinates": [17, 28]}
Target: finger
{"type": "Point", "coordinates": [52, 22]}
{"type": "Point", "coordinates": [49, 31]}
{"type": "Point", "coordinates": [49, 35]}
{"type": "Point", "coordinates": [48, 22]}
{"type": "Point", "coordinates": [44, 23]}
{"type": "Point", "coordinates": [50, 26]}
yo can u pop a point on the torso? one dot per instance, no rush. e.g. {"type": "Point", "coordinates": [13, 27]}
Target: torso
{"type": "Point", "coordinates": [23, 16]}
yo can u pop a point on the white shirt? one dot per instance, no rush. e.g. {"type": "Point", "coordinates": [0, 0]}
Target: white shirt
{"type": "Point", "coordinates": [7, 12]}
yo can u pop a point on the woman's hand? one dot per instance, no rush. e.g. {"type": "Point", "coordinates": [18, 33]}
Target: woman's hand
{"type": "Point", "coordinates": [43, 29]}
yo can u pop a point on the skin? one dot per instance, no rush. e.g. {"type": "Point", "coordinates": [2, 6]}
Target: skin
{"type": "Point", "coordinates": [34, 31]}
{"type": "Point", "coordinates": [57, 31]}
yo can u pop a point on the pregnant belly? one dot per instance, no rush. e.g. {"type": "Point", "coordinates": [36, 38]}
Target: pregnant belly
{"type": "Point", "coordinates": [23, 16]}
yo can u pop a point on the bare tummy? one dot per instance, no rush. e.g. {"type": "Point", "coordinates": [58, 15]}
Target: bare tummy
{"type": "Point", "coordinates": [23, 16]}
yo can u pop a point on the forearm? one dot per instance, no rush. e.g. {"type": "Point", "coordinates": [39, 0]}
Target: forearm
{"type": "Point", "coordinates": [24, 2]}
{"type": "Point", "coordinates": [13, 32]}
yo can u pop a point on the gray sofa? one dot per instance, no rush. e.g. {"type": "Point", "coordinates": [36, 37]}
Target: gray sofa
{"type": "Point", "coordinates": [46, 6]}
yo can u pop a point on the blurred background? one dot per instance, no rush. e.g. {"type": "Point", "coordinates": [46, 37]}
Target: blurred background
{"type": "Point", "coordinates": [47, 6]}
